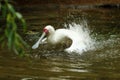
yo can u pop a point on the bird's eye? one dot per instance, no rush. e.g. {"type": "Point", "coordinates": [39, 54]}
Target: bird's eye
{"type": "Point", "coordinates": [45, 30]}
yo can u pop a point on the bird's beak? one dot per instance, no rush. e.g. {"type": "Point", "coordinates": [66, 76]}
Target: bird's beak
{"type": "Point", "coordinates": [36, 45]}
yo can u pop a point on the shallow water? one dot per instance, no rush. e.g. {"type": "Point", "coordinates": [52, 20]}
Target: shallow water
{"type": "Point", "coordinates": [51, 62]}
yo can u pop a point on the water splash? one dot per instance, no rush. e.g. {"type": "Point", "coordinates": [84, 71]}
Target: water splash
{"type": "Point", "coordinates": [82, 41]}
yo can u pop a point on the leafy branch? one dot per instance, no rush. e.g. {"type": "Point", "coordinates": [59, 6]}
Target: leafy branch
{"type": "Point", "coordinates": [10, 17]}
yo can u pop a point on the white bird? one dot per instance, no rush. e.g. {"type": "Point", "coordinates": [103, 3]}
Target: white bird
{"type": "Point", "coordinates": [76, 34]}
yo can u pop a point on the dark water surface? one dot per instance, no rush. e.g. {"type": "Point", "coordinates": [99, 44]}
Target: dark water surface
{"type": "Point", "coordinates": [51, 62]}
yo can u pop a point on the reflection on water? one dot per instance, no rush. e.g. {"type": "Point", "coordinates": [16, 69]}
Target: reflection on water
{"type": "Point", "coordinates": [52, 63]}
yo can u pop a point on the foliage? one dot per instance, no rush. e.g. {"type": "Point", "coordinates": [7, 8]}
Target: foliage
{"type": "Point", "coordinates": [10, 17]}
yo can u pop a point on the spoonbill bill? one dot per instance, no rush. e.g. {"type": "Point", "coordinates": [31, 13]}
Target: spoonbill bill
{"type": "Point", "coordinates": [80, 38]}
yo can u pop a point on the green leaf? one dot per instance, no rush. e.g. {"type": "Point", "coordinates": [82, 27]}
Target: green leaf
{"type": "Point", "coordinates": [21, 40]}
{"type": "Point", "coordinates": [18, 15]}
{"type": "Point", "coordinates": [10, 8]}
{"type": "Point", "coordinates": [6, 32]}
{"type": "Point", "coordinates": [15, 50]}
{"type": "Point", "coordinates": [8, 17]}
{"type": "Point", "coordinates": [24, 25]}
{"type": "Point", "coordinates": [10, 39]}
{"type": "Point", "coordinates": [14, 26]}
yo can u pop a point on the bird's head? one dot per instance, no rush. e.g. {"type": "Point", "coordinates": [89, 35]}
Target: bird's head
{"type": "Point", "coordinates": [48, 29]}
